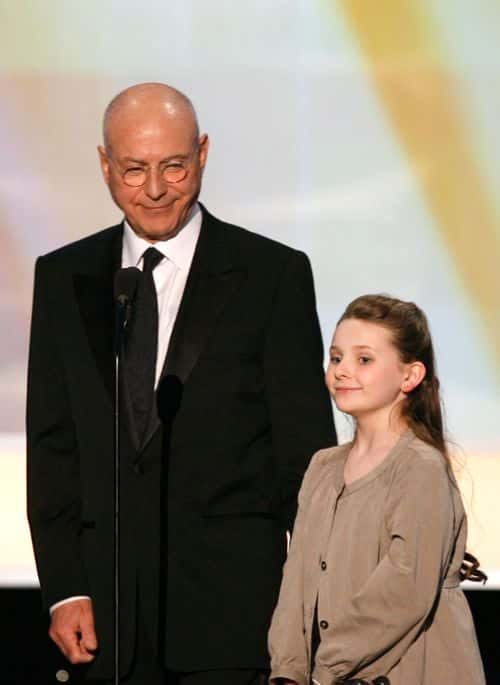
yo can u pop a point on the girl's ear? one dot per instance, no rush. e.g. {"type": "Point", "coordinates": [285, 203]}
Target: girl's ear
{"type": "Point", "coordinates": [415, 374]}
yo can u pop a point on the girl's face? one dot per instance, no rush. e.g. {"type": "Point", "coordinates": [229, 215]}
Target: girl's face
{"type": "Point", "coordinates": [365, 375]}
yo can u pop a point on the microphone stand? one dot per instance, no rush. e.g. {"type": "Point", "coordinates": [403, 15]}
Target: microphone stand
{"type": "Point", "coordinates": [122, 315]}
{"type": "Point", "coordinates": [125, 287]}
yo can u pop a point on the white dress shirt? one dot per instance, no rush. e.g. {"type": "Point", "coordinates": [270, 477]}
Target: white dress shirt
{"type": "Point", "coordinates": [170, 277]}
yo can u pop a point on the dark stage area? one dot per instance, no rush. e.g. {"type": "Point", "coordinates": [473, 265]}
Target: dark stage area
{"type": "Point", "coordinates": [30, 658]}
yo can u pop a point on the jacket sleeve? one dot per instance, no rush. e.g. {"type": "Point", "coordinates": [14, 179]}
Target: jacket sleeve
{"type": "Point", "coordinates": [286, 640]}
{"type": "Point", "coordinates": [299, 405]}
{"type": "Point", "coordinates": [52, 459]}
{"type": "Point", "coordinates": [377, 625]}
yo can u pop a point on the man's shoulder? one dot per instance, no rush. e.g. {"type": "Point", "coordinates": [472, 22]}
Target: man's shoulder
{"type": "Point", "coordinates": [101, 241]}
{"type": "Point", "coordinates": [248, 240]}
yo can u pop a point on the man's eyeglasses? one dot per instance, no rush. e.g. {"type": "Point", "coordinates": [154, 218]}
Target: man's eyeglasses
{"type": "Point", "coordinates": [171, 172]}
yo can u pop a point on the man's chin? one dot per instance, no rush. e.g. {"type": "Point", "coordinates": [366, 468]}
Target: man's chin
{"type": "Point", "coordinates": [158, 224]}
{"type": "Point", "coordinates": [156, 230]}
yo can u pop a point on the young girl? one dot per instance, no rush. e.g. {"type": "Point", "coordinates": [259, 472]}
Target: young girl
{"type": "Point", "coordinates": [370, 591]}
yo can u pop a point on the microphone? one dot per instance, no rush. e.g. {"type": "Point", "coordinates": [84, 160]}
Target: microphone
{"type": "Point", "coordinates": [125, 288]}
{"type": "Point", "coordinates": [126, 282]}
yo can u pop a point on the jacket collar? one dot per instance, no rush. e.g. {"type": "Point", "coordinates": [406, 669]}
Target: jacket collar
{"type": "Point", "coordinates": [214, 276]}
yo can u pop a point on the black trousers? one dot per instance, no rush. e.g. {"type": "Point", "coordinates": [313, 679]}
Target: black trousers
{"type": "Point", "coordinates": [146, 670]}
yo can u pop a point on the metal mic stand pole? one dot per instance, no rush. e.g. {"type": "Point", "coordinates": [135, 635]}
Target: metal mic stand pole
{"type": "Point", "coordinates": [121, 321]}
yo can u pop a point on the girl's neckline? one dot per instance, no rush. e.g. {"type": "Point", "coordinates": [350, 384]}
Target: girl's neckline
{"type": "Point", "coordinates": [389, 458]}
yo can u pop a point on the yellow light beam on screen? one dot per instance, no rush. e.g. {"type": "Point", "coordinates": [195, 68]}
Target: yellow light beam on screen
{"type": "Point", "coordinates": [402, 49]}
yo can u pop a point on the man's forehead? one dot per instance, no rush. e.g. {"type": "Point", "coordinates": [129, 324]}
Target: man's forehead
{"type": "Point", "coordinates": [140, 136]}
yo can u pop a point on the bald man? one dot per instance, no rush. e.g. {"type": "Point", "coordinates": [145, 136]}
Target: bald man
{"type": "Point", "coordinates": [223, 404]}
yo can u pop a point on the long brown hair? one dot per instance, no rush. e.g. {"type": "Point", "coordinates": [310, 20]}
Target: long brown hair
{"type": "Point", "coordinates": [421, 409]}
{"type": "Point", "coordinates": [411, 336]}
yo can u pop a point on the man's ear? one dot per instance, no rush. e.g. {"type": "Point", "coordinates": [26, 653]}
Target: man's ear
{"type": "Point", "coordinates": [204, 144]}
{"type": "Point", "coordinates": [104, 161]}
{"type": "Point", "coordinates": [415, 374]}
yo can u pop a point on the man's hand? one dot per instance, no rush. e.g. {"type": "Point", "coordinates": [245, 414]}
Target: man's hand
{"type": "Point", "coordinates": [72, 629]}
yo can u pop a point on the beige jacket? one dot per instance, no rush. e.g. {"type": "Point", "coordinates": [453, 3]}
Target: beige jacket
{"type": "Point", "coordinates": [381, 557]}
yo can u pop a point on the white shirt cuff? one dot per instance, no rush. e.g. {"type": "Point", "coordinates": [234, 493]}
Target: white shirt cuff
{"type": "Point", "coordinates": [66, 601]}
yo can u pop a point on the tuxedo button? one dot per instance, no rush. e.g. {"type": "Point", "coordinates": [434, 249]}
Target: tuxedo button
{"type": "Point", "coordinates": [323, 565]}
{"type": "Point", "coordinates": [138, 469]}
{"type": "Point", "coordinates": [323, 624]}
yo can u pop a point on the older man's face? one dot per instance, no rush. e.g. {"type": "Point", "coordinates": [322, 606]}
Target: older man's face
{"type": "Point", "coordinates": [149, 149]}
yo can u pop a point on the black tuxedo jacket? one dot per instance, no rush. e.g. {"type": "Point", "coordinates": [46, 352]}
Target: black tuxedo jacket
{"type": "Point", "coordinates": [206, 500]}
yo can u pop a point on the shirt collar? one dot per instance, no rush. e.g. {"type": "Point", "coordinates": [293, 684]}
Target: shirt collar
{"type": "Point", "coordinates": [179, 249]}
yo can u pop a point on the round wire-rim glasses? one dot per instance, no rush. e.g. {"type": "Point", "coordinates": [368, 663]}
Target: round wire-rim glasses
{"type": "Point", "coordinates": [171, 172]}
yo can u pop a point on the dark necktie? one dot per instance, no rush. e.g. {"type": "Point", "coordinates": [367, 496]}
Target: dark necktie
{"type": "Point", "coordinates": [142, 344]}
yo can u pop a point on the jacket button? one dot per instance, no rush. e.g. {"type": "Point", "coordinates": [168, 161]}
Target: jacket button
{"type": "Point", "coordinates": [323, 565]}
{"type": "Point", "coordinates": [138, 469]}
{"type": "Point", "coordinates": [323, 624]}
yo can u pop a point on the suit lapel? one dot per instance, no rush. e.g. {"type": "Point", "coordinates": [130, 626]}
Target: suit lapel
{"type": "Point", "coordinates": [213, 278]}
{"type": "Point", "coordinates": [93, 284]}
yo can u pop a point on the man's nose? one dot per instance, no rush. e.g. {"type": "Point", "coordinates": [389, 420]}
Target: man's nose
{"type": "Point", "coordinates": [155, 185]}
